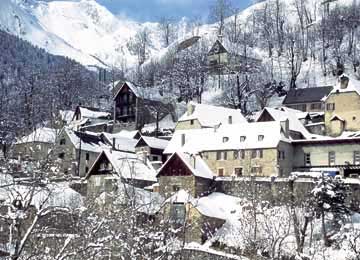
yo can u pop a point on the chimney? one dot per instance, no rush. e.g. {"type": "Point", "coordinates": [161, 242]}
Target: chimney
{"type": "Point", "coordinates": [182, 139]}
{"type": "Point", "coordinates": [285, 127]}
{"type": "Point", "coordinates": [113, 143]}
{"type": "Point", "coordinates": [194, 161]}
{"type": "Point", "coordinates": [230, 120]}
{"type": "Point", "coordinates": [344, 82]}
{"type": "Point", "coordinates": [190, 108]}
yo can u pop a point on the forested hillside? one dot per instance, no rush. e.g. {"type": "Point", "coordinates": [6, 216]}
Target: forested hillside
{"type": "Point", "coordinates": [34, 85]}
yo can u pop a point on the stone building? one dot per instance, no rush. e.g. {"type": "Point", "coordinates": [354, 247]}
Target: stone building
{"type": "Point", "coordinates": [201, 217]}
{"type": "Point", "coordinates": [112, 166]}
{"type": "Point", "coordinates": [342, 107]}
{"type": "Point", "coordinates": [75, 151]}
{"type": "Point", "coordinates": [187, 172]}
{"type": "Point", "coordinates": [200, 116]}
{"type": "Point", "coordinates": [37, 145]}
{"type": "Point", "coordinates": [307, 99]}
{"type": "Point", "coordinates": [152, 148]}
{"type": "Point", "coordinates": [261, 149]}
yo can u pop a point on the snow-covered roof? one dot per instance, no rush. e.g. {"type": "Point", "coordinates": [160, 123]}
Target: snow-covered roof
{"type": "Point", "coordinates": [284, 113]}
{"type": "Point", "coordinates": [89, 141]}
{"type": "Point", "coordinates": [149, 93]}
{"type": "Point", "coordinates": [129, 166]}
{"type": "Point", "coordinates": [210, 116]}
{"type": "Point", "coordinates": [227, 137]}
{"type": "Point", "coordinates": [194, 163]}
{"type": "Point", "coordinates": [42, 135]}
{"type": "Point", "coordinates": [166, 123]}
{"type": "Point", "coordinates": [153, 142]}
{"type": "Point", "coordinates": [53, 195]}
{"type": "Point", "coordinates": [353, 86]}
{"type": "Point", "coordinates": [126, 144]}
{"type": "Point", "coordinates": [66, 115]}
{"type": "Point", "coordinates": [127, 133]}
{"type": "Point", "coordinates": [87, 112]}
{"type": "Point", "coordinates": [216, 205]}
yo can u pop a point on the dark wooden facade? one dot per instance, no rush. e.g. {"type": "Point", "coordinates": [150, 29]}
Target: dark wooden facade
{"type": "Point", "coordinates": [131, 107]}
{"type": "Point", "coordinates": [125, 105]}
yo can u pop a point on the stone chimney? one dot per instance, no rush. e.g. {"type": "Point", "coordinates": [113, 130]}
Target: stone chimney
{"type": "Point", "coordinates": [190, 108]}
{"type": "Point", "coordinates": [344, 81]}
{"type": "Point", "coordinates": [285, 127]}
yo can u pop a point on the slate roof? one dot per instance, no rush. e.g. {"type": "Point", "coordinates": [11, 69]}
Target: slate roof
{"type": "Point", "coordinates": [306, 95]}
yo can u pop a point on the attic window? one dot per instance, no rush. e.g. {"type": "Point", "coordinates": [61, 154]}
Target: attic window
{"type": "Point", "coordinates": [225, 139]}
{"type": "Point", "coordinates": [260, 138]}
{"type": "Point", "coordinates": [242, 138]}
{"type": "Point", "coordinates": [62, 141]}
{"type": "Point", "coordinates": [191, 122]}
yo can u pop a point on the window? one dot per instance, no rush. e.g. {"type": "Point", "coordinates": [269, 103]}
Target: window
{"type": "Point", "coordinates": [230, 120]}
{"type": "Point", "coordinates": [87, 156]}
{"type": "Point", "coordinates": [191, 122]}
{"type": "Point", "coordinates": [236, 155]}
{"type": "Point", "coordinates": [86, 169]}
{"type": "Point", "coordinates": [260, 138]}
{"type": "Point", "coordinates": [62, 141]}
{"type": "Point", "coordinates": [242, 154]}
{"type": "Point", "coordinates": [178, 213]}
{"type": "Point", "coordinates": [316, 106]}
{"type": "Point", "coordinates": [330, 106]}
{"type": "Point", "coordinates": [257, 153]}
{"type": "Point", "coordinates": [221, 155]}
{"type": "Point", "coordinates": [332, 158]}
{"type": "Point", "coordinates": [281, 155]}
{"type": "Point", "coordinates": [155, 158]}
{"type": "Point", "coordinates": [307, 159]}
{"type": "Point", "coordinates": [205, 155]}
{"type": "Point", "coordinates": [175, 188]}
{"type": "Point", "coordinates": [357, 157]}
{"type": "Point", "coordinates": [221, 172]}
{"type": "Point", "coordinates": [61, 155]}
{"type": "Point", "coordinates": [256, 169]}
{"type": "Point", "coordinates": [242, 138]}
{"type": "Point", "coordinates": [238, 171]}
{"type": "Point", "coordinates": [225, 139]}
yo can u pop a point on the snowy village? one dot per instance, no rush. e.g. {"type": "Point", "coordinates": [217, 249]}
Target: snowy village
{"type": "Point", "coordinates": [230, 133]}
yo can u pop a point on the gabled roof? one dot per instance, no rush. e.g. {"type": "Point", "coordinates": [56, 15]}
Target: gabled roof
{"type": "Point", "coordinates": [41, 135]}
{"type": "Point", "coordinates": [227, 137]}
{"type": "Point", "coordinates": [145, 93]}
{"type": "Point", "coordinates": [127, 166]}
{"type": "Point", "coordinates": [198, 169]}
{"type": "Point", "coordinates": [306, 95]}
{"type": "Point", "coordinates": [283, 113]}
{"type": "Point", "coordinates": [210, 116]}
{"type": "Point", "coordinates": [353, 86]}
{"type": "Point", "coordinates": [153, 142]}
{"type": "Point", "coordinates": [125, 144]}
{"type": "Point", "coordinates": [336, 117]}
{"type": "Point", "coordinates": [88, 141]}
{"type": "Point", "coordinates": [91, 112]}
{"type": "Point", "coordinates": [129, 134]}
{"type": "Point", "coordinates": [216, 205]}
{"type": "Point", "coordinates": [217, 48]}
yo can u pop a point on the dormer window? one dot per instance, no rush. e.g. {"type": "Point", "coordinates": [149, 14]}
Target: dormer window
{"type": "Point", "coordinates": [225, 139]}
{"type": "Point", "coordinates": [260, 138]}
{"type": "Point", "coordinates": [242, 138]}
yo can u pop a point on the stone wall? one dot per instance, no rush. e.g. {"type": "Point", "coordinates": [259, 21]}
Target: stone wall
{"type": "Point", "coordinates": [278, 190]}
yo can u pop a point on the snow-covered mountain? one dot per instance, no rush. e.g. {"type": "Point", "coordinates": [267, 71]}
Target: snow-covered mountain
{"type": "Point", "coordinates": [80, 29]}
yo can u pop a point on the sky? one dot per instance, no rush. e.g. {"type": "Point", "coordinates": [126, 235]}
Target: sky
{"type": "Point", "coordinates": [153, 10]}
